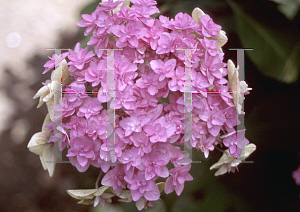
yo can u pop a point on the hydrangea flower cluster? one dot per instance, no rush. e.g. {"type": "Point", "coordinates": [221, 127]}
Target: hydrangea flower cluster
{"type": "Point", "coordinates": [126, 116]}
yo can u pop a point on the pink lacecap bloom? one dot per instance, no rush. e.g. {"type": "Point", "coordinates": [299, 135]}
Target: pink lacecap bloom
{"type": "Point", "coordinates": [129, 125]}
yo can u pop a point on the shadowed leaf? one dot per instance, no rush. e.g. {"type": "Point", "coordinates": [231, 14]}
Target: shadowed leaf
{"type": "Point", "coordinates": [275, 53]}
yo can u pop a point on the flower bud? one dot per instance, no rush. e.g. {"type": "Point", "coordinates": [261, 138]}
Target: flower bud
{"type": "Point", "coordinates": [62, 74]}
{"type": "Point", "coordinates": [222, 39]}
{"type": "Point", "coordinates": [197, 14]}
{"type": "Point", "coordinates": [39, 145]}
{"type": "Point", "coordinates": [231, 69]}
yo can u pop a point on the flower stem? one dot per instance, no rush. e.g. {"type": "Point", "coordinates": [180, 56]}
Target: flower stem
{"type": "Point", "coordinates": [97, 181]}
{"type": "Point", "coordinates": [221, 150]}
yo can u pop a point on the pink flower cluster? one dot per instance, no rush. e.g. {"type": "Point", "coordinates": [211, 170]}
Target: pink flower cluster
{"type": "Point", "coordinates": [296, 176]}
{"type": "Point", "coordinates": [129, 132]}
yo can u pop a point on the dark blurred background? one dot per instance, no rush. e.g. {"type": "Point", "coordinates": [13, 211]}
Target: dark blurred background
{"type": "Point", "coordinates": [272, 117]}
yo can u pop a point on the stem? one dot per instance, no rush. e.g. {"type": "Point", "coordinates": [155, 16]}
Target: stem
{"type": "Point", "coordinates": [97, 181]}
{"type": "Point", "coordinates": [221, 150]}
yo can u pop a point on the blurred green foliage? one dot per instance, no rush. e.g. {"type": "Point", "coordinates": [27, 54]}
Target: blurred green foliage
{"type": "Point", "coordinates": [289, 8]}
{"type": "Point", "coordinates": [276, 54]}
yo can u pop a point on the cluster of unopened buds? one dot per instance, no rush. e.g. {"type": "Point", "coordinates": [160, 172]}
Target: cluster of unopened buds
{"type": "Point", "coordinates": [151, 88]}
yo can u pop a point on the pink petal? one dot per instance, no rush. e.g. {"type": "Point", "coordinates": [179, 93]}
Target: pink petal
{"type": "Point", "coordinates": [188, 177]}
{"type": "Point", "coordinates": [156, 64]}
{"type": "Point", "coordinates": [164, 172]}
{"type": "Point", "coordinates": [180, 179]}
{"type": "Point", "coordinates": [134, 41]}
{"type": "Point", "coordinates": [152, 90]}
{"type": "Point", "coordinates": [107, 180]}
{"type": "Point", "coordinates": [136, 195]}
{"type": "Point", "coordinates": [152, 195]}
{"type": "Point", "coordinates": [82, 160]}
{"type": "Point", "coordinates": [75, 163]}
{"type": "Point", "coordinates": [169, 185]}
{"type": "Point", "coordinates": [149, 175]}
{"type": "Point", "coordinates": [179, 189]}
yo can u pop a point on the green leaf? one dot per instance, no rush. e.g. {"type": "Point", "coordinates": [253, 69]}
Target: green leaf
{"type": "Point", "coordinates": [85, 40]}
{"type": "Point", "coordinates": [90, 7]}
{"type": "Point", "coordinates": [289, 8]}
{"type": "Point", "coordinates": [88, 10]}
{"type": "Point", "coordinates": [275, 53]}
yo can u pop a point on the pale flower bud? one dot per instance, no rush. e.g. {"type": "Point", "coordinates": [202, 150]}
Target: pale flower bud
{"type": "Point", "coordinates": [96, 196]}
{"type": "Point", "coordinates": [239, 88]}
{"type": "Point", "coordinates": [39, 145]}
{"type": "Point", "coordinates": [42, 92]}
{"type": "Point", "coordinates": [231, 69]}
{"type": "Point", "coordinates": [233, 82]}
{"type": "Point", "coordinates": [37, 142]}
{"type": "Point", "coordinates": [222, 39]}
{"type": "Point", "coordinates": [197, 14]}
{"type": "Point", "coordinates": [59, 77]}
{"type": "Point", "coordinates": [62, 74]}
{"type": "Point", "coordinates": [228, 163]}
